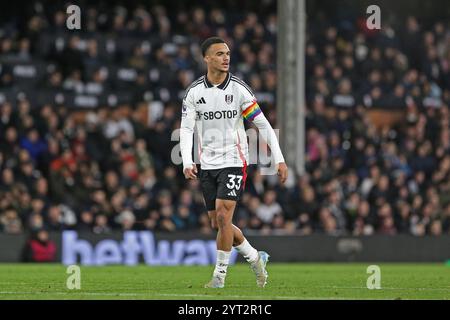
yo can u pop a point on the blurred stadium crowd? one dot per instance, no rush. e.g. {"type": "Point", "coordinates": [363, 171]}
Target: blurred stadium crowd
{"type": "Point", "coordinates": [75, 152]}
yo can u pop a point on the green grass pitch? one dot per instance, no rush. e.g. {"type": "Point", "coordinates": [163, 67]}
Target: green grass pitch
{"type": "Point", "coordinates": [286, 281]}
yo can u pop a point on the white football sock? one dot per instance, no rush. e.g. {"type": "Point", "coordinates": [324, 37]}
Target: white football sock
{"type": "Point", "coordinates": [223, 258]}
{"type": "Point", "coordinates": [250, 254]}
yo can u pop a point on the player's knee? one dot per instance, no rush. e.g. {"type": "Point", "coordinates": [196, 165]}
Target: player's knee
{"type": "Point", "coordinates": [221, 221]}
{"type": "Point", "coordinates": [223, 218]}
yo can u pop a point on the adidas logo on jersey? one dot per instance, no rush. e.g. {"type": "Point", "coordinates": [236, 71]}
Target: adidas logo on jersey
{"type": "Point", "coordinates": [201, 101]}
{"type": "Point", "coordinates": [232, 193]}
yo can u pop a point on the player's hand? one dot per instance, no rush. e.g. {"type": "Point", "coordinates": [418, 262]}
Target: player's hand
{"type": "Point", "coordinates": [191, 173]}
{"type": "Point", "coordinates": [282, 171]}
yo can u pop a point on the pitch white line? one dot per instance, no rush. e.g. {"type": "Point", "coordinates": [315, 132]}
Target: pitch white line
{"type": "Point", "coordinates": [70, 293]}
{"type": "Point", "coordinates": [391, 288]}
{"type": "Point", "coordinates": [227, 296]}
{"type": "Point", "coordinates": [136, 294]}
{"type": "Point", "coordinates": [211, 297]}
{"type": "Point", "coordinates": [144, 294]}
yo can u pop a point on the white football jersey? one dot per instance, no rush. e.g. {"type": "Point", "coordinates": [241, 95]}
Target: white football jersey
{"type": "Point", "coordinates": [218, 113]}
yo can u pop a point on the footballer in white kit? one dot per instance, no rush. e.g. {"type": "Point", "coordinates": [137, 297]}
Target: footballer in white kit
{"type": "Point", "coordinates": [217, 104]}
{"type": "Point", "coordinates": [218, 111]}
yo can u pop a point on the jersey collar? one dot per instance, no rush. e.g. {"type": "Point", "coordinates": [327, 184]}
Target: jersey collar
{"type": "Point", "coordinates": [222, 86]}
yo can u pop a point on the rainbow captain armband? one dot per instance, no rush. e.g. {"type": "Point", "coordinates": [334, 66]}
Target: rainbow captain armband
{"type": "Point", "coordinates": [252, 111]}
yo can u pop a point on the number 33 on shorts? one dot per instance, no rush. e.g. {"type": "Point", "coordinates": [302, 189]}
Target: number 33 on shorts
{"type": "Point", "coordinates": [234, 181]}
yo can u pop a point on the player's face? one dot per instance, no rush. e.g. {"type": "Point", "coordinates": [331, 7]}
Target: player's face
{"type": "Point", "coordinates": [218, 57]}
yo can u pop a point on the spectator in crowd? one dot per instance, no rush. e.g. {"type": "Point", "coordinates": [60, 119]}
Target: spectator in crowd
{"type": "Point", "coordinates": [10, 222]}
{"type": "Point", "coordinates": [39, 248]}
{"type": "Point", "coordinates": [269, 208]}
